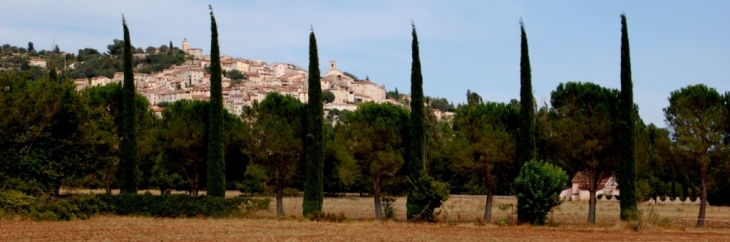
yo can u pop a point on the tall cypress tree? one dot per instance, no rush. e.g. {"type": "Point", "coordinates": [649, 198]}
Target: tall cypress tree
{"type": "Point", "coordinates": [627, 174]}
{"type": "Point", "coordinates": [129, 157]}
{"type": "Point", "coordinates": [313, 147]}
{"type": "Point", "coordinates": [526, 136]}
{"type": "Point", "coordinates": [216, 165]}
{"type": "Point", "coordinates": [417, 128]}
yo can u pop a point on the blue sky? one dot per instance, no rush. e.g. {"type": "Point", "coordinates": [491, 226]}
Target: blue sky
{"type": "Point", "coordinates": [464, 44]}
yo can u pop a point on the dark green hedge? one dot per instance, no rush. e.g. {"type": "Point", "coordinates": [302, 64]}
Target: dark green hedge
{"type": "Point", "coordinates": [83, 206]}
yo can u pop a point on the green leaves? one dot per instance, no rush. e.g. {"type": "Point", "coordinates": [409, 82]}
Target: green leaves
{"type": "Point", "coordinates": [538, 189]}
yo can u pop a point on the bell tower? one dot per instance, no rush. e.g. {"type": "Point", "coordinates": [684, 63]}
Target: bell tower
{"type": "Point", "coordinates": [185, 46]}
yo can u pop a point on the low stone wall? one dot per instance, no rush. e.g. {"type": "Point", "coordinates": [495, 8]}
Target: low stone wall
{"type": "Point", "coordinates": [677, 200]}
{"type": "Point", "coordinates": [606, 199]}
{"type": "Point", "coordinates": [482, 197]}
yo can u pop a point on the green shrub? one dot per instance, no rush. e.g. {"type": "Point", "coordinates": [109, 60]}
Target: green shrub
{"type": "Point", "coordinates": [318, 216]}
{"type": "Point", "coordinates": [599, 196]}
{"type": "Point", "coordinates": [538, 188]}
{"type": "Point", "coordinates": [608, 197]}
{"type": "Point", "coordinates": [428, 195]}
{"type": "Point", "coordinates": [388, 209]}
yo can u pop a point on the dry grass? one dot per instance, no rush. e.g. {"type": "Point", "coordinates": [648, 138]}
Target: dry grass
{"type": "Point", "coordinates": [116, 228]}
{"type": "Point", "coordinates": [470, 209]}
{"type": "Point", "coordinates": [459, 221]}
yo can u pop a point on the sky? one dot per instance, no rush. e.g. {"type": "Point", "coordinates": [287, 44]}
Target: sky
{"type": "Point", "coordinates": [464, 45]}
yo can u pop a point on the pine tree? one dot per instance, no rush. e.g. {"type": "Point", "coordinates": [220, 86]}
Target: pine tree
{"type": "Point", "coordinates": [216, 165]}
{"type": "Point", "coordinates": [627, 174]}
{"type": "Point", "coordinates": [526, 136]}
{"type": "Point", "coordinates": [313, 147]}
{"type": "Point", "coordinates": [417, 129]}
{"type": "Point", "coordinates": [129, 160]}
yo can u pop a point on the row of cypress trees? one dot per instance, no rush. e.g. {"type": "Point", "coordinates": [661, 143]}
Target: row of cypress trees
{"type": "Point", "coordinates": [627, 170]}
{"type": "Point", "coordinates": [314, 153]}
{"type": "Point", "coordinates": [313, 144]}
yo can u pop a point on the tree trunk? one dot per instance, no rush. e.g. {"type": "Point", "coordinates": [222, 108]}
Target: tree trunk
{"type": "Point", "coordinates": [108, 180]}
{"type": "Point", "coordinates": [488, 207]}
{"type": "Point", "coordinates": [376, 197]}
{"type": "Point", "coordinates": [592, 206]}
{"type": "Point", "coordinates": [194, 186]}
{"type": "Point", "coordinates": [279, 201]}
{"type": "Point", "coordinates": [703, 200]}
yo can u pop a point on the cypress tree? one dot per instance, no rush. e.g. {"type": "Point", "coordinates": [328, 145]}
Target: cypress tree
{"type": "Point", "coordinates": [417, 128]}
{"type": "Point", "coordinates": [129, 160]}
{"type": "Point", "coordinates": [216, 164]}
{"type": "Point", "coordinates": [627, 174]}
{"type": "Point", "coordinates": [526, 136]}
{"type": "Point", "coordinates": [313, 147]}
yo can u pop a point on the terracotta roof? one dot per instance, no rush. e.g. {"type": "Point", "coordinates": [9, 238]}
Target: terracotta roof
{"type": "Point", "coordinates": [583, 182]}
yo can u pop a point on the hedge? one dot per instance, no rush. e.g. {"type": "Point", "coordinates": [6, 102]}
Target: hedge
{"type": "Point", "coordinates": [84, 206]}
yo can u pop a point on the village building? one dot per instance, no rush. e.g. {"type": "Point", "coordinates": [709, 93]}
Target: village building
{"type": "Point", "coordinates": [578, 191]}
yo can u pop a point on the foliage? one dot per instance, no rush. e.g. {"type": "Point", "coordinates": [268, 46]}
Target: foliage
{"type": "Point", "coordinates": [327, 217]}
{"type": "Point", "coordinates": [216, 163]}
{"type": "Point", "coordinates": [440, 103]}
{"type": "Point", "coordinates": [328, 96]}
{"type": "Point", "coordinates": [538, 190]}
{"type": "Point", "coordinates": [472, 98]}
{"type": "Point", "coordinates": [312, 138]}
{"type": "Point", "coordinates": [277, 140]}
{"type": "Point", "coordinates": [129, 149]}
{"type": "Point", "coordinates": [236, 75]}
{"type": "Point", "coordinates": [388, 209]}
{"type": "Point", "coordinates": [103, 125]}
{"type": "Point", "coordinates": [254, 180]}
{"type": "Point", "coordinates": [183, 136]}
{"type": "Point", "coordinates": [484, 144]}
{"type": "Point", "coordinates": [582, 125]}
{"type": "Point", "coordinates": [526, 147]}
{"type": "Point", "coordinates": [179, 205]}
{"type": "Point", "coordinates": [416, 159]}
{"type": "Point", "coordinates": [372, 145]}
{"type": "Point", "coordinates": [427, 195]}
{"type": "Point", "coordinates": [41, 143]}
{"type": "Point", "coordinates": [83, 206]}
{"type": "Point", "coordinates": [626, 131]}
{"type": "Point", "coordinates": [697, 120]}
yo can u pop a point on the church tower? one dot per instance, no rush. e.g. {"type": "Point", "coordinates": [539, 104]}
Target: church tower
{"type": "Point", "coordinates": [185, 46]}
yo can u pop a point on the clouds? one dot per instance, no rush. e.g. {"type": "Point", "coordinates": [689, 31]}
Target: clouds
{"type": "Point", "coordinates": [464, 45]}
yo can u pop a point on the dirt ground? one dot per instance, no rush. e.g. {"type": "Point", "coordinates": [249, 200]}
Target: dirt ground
{"type": "Point", "coordinates": [117, 228]}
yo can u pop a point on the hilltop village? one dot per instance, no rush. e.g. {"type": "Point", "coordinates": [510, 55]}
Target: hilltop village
{"type": "Point", "coordinates": [189, 81]}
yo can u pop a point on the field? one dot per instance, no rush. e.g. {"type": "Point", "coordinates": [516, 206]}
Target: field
{"type": "Point", "coordinates": [458, 221]}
